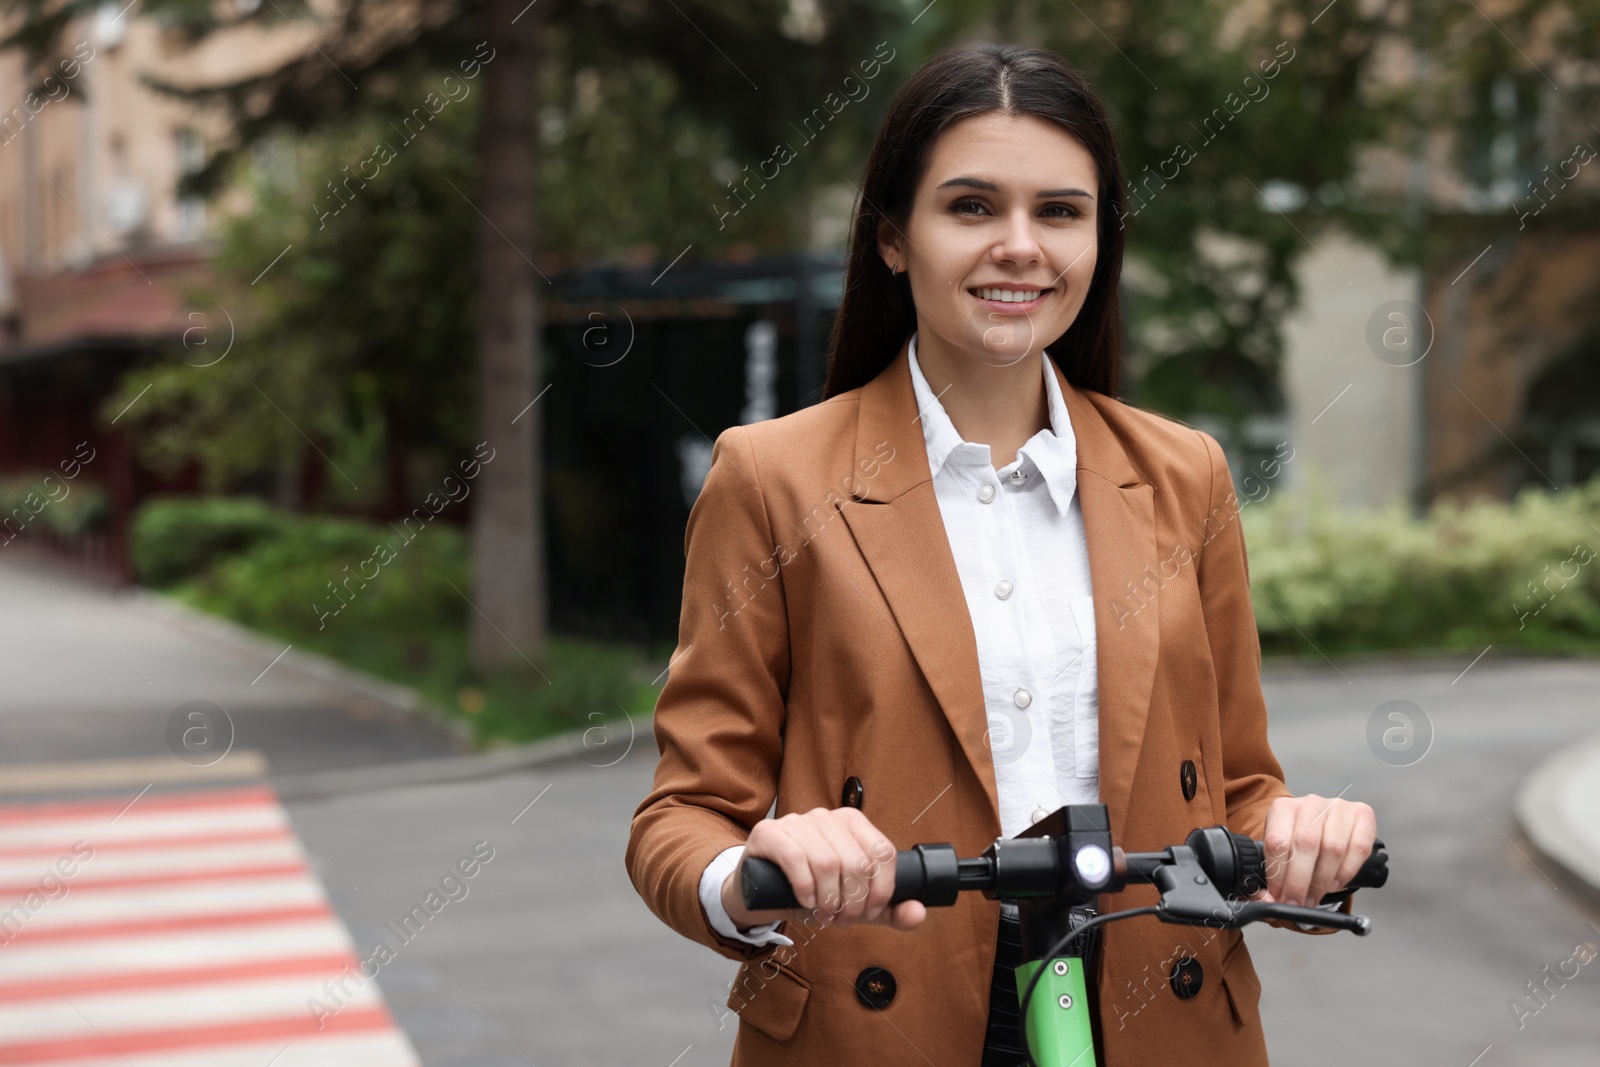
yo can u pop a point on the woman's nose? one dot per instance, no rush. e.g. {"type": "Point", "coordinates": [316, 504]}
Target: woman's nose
{"type": "Point", "coordinates": [1019, 243]}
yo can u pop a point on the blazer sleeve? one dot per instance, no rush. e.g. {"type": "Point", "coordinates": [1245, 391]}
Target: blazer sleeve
{"type": "Point", "coordinates": [1252, 775]}
{"type": "Point", "coordinates": [719, 718]}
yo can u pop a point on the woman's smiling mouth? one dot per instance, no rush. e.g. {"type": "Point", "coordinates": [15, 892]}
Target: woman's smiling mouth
{"type": "Point", "coordinates": [1014, 301]}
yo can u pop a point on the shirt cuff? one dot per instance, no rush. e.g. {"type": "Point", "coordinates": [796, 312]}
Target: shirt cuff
{"type": "Point", "coordinates": [716, 872]}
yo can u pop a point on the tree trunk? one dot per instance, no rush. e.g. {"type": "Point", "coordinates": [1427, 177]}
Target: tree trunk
{"type": "Point", "coordinates": [396, 457]}
{"type": "Point", "coordinates": [508, 587]}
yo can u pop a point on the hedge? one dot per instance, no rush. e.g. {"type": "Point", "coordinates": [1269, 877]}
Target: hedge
{"type": "Point", "coordinates": [1463, 576]}
{"type": "Point", "coordinates": [391, 602]}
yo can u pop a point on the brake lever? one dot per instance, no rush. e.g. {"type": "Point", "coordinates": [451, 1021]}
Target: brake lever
{"type": "Point", "coordinates": [1255, 910]}
{"type": "Point", "coordinates": [1193, 905]}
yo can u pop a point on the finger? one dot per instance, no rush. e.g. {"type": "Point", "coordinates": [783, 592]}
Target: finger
{"type": "Point", "coordinates": [820, 863]}
{"type": "Point", "coordinates": [1337, 822]}
{"type": "Point", "coordinates": [880, 852]}
{"type": "Point", "coordinates": [854, 867]}
{"type": "Point", "coordinates": [825, 867]}
{"type": "Point", "coordinates": [1306, 844]}
{"type": "Point", "coordinates": [908, 914]}
{"type": "Point", "coordinates": [1363, 833]}
{"type": "Point", "coordinates": [776, 841]}
{"type": "Point", "coordinates": [1279, 840]}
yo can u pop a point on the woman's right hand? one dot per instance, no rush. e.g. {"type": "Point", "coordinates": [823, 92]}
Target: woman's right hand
{"type": "Point", "coordinates": [840, 865]}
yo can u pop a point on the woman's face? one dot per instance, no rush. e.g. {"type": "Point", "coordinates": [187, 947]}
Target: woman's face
{"type": "Point", "coordinates": [1001, 242]}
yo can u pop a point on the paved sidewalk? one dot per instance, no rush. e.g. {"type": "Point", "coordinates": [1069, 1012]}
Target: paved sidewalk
{"type": "Point", "coordinates": [94, 679]}
{"type": "Point", "coordinates": [1559, 809]}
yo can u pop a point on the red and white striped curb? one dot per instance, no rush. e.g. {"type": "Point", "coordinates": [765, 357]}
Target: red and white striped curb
{"type": "Point", "coordinates": [179, 931]}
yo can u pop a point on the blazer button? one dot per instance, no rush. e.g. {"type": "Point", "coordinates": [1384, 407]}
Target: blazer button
{"type": "Point", "coordinates": [875, 987]}
{"type": "Point", "coordinates": [1188, 779]}
{"type": "Point", "coordinates": [853, 793]}
{"type": "Point", "coordinates": [1187, 977]}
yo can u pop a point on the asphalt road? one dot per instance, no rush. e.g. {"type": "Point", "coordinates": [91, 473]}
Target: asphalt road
{"type": "Point", "coordinates": [553, 960]}
{"type": "Point", "coordinates": [1467, 917]}
{"type": "Point", "coordinates": [550, 958]}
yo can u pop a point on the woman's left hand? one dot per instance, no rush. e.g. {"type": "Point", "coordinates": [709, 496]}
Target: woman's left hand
{"type": "Point", "coordinates": [1314, 846]}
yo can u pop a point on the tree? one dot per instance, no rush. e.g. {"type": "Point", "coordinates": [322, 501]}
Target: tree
{"type": "Point", "coordinates": [359, 42]}
{"type": "Point", "coordinates": [507, 535]}
{"type": "Point", "coordinates": [1249, 132]}
{"type": "Point", "coordinates": [360, 333]}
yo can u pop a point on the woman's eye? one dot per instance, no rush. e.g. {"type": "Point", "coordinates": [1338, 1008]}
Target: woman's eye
{"type": "Point", "coordinates": [1051, 211]}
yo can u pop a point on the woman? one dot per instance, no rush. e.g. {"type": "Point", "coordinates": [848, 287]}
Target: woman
{"type": "Point", "coordinates": [968, 587]}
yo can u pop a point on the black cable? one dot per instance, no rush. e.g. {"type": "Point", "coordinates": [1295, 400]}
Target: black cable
{"type": "Point", "coordinates": [1056, 950]}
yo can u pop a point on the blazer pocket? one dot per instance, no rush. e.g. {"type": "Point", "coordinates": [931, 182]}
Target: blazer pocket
{"type": "Point", "coordinates": [773, 1004]}
{"type": "Point", "coordinates": [1240, 983]}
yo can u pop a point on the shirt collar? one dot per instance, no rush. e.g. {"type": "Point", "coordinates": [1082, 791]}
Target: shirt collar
{"type": "Point", "coordinates": [1051, 453]}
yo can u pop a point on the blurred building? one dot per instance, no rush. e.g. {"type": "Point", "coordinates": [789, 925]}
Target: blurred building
{"type": "Point", "coordinates": [1470, 374]}
{"type": "Point", "coordinates": [1474, 374]}
{"type": "Point", "coordinates": [97, 252]}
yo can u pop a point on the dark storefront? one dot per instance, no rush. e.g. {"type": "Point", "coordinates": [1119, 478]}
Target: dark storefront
{"type": "Point", "coordinates": [643, 378]}
{"type": "Point", "coordinates": [645, 368]}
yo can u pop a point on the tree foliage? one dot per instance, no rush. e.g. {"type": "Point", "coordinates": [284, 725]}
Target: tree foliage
{"type": "Point", "coordinates": [1226, 210]}
{"type": "Point", "coordinates": [1248, 137]}
{"type": "Point", "coordinates": [351, 308]}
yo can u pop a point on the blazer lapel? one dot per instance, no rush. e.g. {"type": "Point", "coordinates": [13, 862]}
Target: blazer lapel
{"type": "Point", "coordinates": [1119, 527]}
{"type": "Point", "coordinates": [899, 529]}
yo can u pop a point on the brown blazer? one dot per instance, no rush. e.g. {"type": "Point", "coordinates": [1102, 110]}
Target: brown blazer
{"type": "Point", "coordinates": [825, 636]}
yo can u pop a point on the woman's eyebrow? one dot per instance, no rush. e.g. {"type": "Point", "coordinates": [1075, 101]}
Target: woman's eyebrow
{"type": "Point", "coordinates": [979, 183]}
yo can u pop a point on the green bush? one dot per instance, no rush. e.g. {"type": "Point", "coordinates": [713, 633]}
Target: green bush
{"type": "Point", "coordinates": [362, 594]}
{"type": "Point", "coordinates": [177, 537]}
{"type": "Point", "coordinates": [1464, 576]}
{"type": "Point", "coordinates": [320, 572]}
{"type": "Point", "coordinates": [582, 685]}
{"type": "Point", "coordinates": [27, 499]}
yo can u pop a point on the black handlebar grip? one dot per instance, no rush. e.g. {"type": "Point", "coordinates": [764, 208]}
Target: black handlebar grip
{"type": "Point", "coordinates": [766, 887]}
{"type": "Point", "coordinates": [928, 873]}
{"type": "Point", "coordinates": [1372, 875]}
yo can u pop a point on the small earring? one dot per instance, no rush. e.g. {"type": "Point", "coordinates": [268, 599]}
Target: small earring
{"type": "Point", "coordinates": [896, 268]}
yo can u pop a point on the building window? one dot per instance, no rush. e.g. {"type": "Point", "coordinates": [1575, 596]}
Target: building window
{"type": "Point", "coordinates": [191, 209]}
{"type": "Point", "coordinates": [1500, 155]}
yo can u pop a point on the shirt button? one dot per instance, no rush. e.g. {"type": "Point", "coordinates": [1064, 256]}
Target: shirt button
{"type": "Point", "coordinates": [1003, 590]}
{"type": "Point", "coordinates": [1023, 698]}
{"type": "Point", "coordinates": [1016, 475]}
{"type": "Point", "coordinates": [986, 493]}
{"type": "Point", "coordinates": [1039, 813]}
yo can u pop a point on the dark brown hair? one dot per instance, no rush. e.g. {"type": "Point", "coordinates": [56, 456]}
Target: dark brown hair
{"type": "Point", "coordinates": [876, 313]}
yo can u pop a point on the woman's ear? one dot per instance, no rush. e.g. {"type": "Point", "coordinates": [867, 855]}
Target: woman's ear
{"type": "Point", "coordinates": [889, 247]}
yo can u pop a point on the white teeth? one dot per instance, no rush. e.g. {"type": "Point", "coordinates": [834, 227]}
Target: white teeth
{"type": "Point", "coordinates": [1010, 296]}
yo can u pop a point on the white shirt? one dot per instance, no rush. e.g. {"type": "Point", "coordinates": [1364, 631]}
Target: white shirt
{"type": "Point", "coordinates": [1018, 541]}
